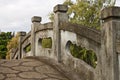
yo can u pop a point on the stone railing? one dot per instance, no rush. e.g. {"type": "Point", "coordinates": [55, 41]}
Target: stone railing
{"type": "Point", "coordinates": [104, 43]}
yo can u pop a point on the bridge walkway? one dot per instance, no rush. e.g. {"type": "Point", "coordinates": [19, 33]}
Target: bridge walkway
{"type": "Point", "coordinates": [34, 68]}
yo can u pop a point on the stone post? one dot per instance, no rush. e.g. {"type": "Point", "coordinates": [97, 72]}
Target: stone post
{"type": "Point", "coordinates": [21, 35]}
{"type": "Point", "coordinates": [60, 16]}
{"type": "Point", "coordinates": [110, 43]}
{"type": "Point", "coordinates": [35, 23]}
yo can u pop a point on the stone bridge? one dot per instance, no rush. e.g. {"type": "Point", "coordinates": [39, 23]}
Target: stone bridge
{"type": "Point", "coordinates": [105, 43]}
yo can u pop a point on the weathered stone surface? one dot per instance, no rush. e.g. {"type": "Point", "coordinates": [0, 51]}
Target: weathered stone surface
{"type": "Point", "coordinates": [17, 78]}
{"type": "Point", "coordinates": [11, 63]}
{"type": "Point", "coordinates": [52, 79]}
{"type": "Point", "coordinates": [110, 43]}
{"type": "Point", "coordinates": [2, 76]}
{"type": "Point", "coordinates": [110, 12]}
{"type": "Point", "coordinates": [7, 70]}
{"type": "Point", "coordinates": [31, 75]}
{"type": "Point", "coordinates": [60, 8]}
{"type": "Point", "coordinates": [56, 76]}
{"type": "Point", "coordinates": [36, 19]}
{"type": "Point", "coordinates": [22, 68]}
{"type": "Point", "coordinates": [30, 69]}
{"type": "Point", "coordinates": [45, 69]}
{"type": "Point", "coordinates": [36, 63]}
{"type": "Point", "coordinates": [22, 33]}
{"type": "Point", "coordinates": [11, 75]}
{"type": "Point", "coordinates": [2, 61]}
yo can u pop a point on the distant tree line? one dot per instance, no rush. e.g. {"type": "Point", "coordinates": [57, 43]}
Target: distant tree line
{"type": "Point", "coordinates": [5, 37]}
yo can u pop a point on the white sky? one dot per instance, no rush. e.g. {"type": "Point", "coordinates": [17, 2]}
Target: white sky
{"type": "Point", "coordinates": [15, 15]}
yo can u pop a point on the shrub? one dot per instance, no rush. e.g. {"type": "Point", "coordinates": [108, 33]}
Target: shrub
{"type": "Point", "coordinates": [82, 53]}
{"type": "Point", "coordinates": [28, 48]}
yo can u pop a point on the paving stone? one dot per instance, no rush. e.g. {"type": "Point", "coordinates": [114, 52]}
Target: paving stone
{"type": "Point", "coordinates": [28, 60]}
{"type": "Point", "coordinates": [52, 79]}
{"type": "Point", "coordinates": [11, 63]}
{"type": "Point", "coordinates": [46, 69]}
{"type": "Point", "coordinates": [57, 76]}
{"type": "Point", "coordinates": [7, 70]}
{"type": "Point", "coordinates": [17, 78]}
{"type": "Point", "coordinates": [22, 68]}
{"type": "Point", "coordinates": [2, 76]}
{"type": "Point", "coordinates": [2, 61]}
{"type": "Point", "coordinates": [31, 75]}
{"type": "Point", "coordinates": [11, 75]}
{"type": "Point", "coordinates": [32, 64]}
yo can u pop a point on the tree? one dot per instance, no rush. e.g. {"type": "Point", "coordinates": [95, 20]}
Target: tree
{"type": "Point", "coordinates": [12, 44]}
{"type": "Point", "coordinates": [4, 38]}
{"type": "Point", "coordinates": [86, 12]}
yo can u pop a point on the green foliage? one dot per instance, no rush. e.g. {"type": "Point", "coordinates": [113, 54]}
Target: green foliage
{"type": "Point", "coordinates": [51, 17]}
{"type": "Point", "coordinates": [3, 48]}
{"type": "Point", "coordinates": [86, 12]}
{"type": "Point", "coordinates": [86, 55]}
{"type": "Point", "coordinates": [13, 43]}
{"type": "Point", "coordinates": [47, 43]}
{"type": "Point", "coordinates": [28, 48]}
{"type": "Point", "coordinates": [4, 38]}
{"type": "Point", "coordinates": [3, 54]}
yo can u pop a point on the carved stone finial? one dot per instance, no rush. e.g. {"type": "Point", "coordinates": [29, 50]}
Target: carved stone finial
{"type": "Point", "coordinates": [22, 33]}
{"type": "Point", "coordinates": [60, 8]}
{"type": "Point", "coordinates": [36, 19]}
{"type": "Point", "coordinates": [110, 13]}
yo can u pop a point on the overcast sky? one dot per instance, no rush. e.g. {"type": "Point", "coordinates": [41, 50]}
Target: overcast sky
{"type": "Point", "coordinates": [15, 15]}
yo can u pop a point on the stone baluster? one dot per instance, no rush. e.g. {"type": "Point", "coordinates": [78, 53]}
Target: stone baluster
{"type": "Point", "coordinates": [60, 16]}
{"type": "Point", "coordinates": [21, 35]}
{"type": "Point", "coordinates": [35, 23]}
{"type": "Point", "coordinates": [110, 43]}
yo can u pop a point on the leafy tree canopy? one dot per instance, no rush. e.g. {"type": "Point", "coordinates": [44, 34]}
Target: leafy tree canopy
{"type": "Point", "coordinates": [4, 38]}
{"type": "Point", "coordinates": [86, 12]}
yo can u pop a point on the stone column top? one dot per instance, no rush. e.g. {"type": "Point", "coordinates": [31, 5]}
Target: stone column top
{"type": "Point", "coordinates": [60, 8]}
{"type": "Point", "coordinates": [21, 33]}
{"type": "Point", "coordinates": [36, 19]}
{"type": "Point", "coordinates": [110, 12]}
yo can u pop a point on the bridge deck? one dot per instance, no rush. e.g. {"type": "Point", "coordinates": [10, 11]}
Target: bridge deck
{"type": "Point", "coordinates": [31, 69]}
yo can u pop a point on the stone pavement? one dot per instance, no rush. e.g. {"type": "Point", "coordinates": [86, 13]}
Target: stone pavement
{"type": "Point", "coordinates": [34, 68]}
